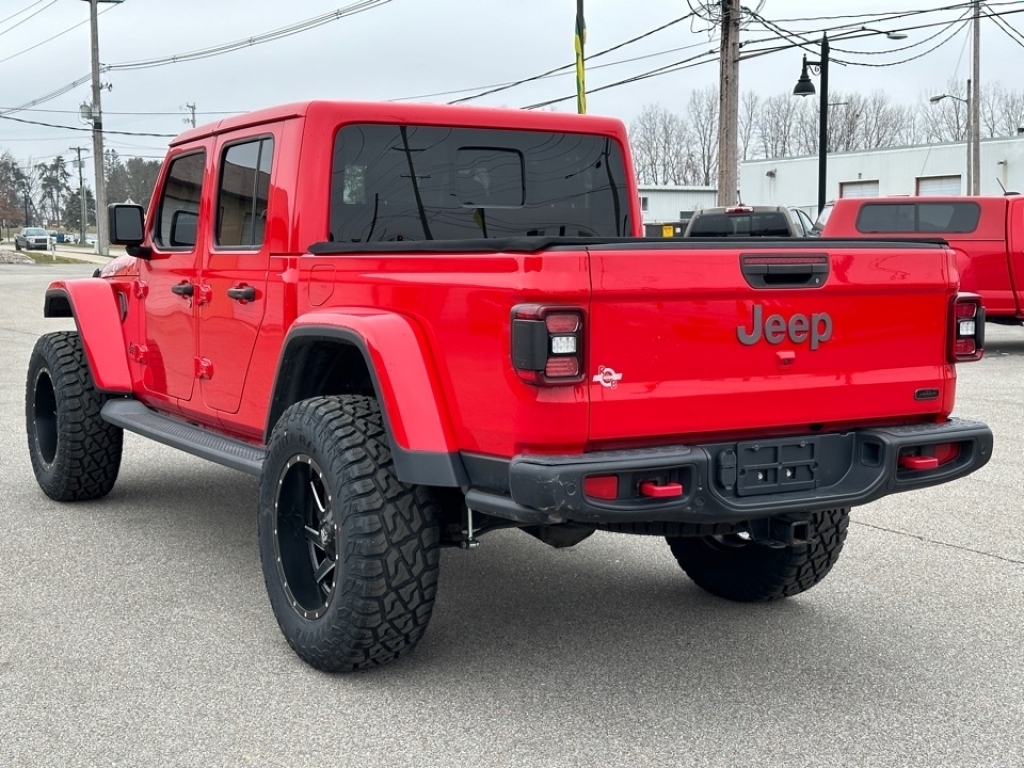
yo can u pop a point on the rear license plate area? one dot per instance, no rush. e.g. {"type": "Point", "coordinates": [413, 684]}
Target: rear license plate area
{"type": "Point", "coordinates": [776, 466]}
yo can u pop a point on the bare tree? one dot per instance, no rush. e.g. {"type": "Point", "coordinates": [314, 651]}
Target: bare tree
{"type": "Point", "coordinates": [750, 104]}
{"type": "Point", "coordinates": [1002, 111]}
{"type": "Point", "coordinates": [946, 120]}
{"type": "Point", "coordinates": [702, 109]}
{"type": "Point", "coordinates": [774, 125]}
{"type": "Point", "coordinates": [882, 123]}
{"type": "Point", "coordinates": [658, 140]}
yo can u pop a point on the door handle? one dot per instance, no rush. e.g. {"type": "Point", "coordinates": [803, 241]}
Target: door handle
{"type": "Point", "coordinates": [183, 289]}
{"type": "Point", "coordinates": [242, 293]}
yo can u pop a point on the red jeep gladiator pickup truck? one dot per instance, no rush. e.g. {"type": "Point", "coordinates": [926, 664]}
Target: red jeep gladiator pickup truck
{"type": "Point", "coordinates": [986, 233]}
{"type": "Point", "coordinates": [418, 324]}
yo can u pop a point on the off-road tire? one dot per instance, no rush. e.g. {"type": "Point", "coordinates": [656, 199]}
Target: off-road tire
{"type": "Point", "coordinates": [329, 470]}
{"type": "Point", "coordinates": [746, 571]}
{"type": "Point", "coordinates": [75, 454]}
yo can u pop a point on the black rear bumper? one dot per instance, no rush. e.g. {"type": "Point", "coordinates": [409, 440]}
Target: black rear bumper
{"type": "Point", "coordinates": [734, 482]}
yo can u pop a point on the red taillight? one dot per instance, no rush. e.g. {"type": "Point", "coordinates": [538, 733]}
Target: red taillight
{"type": "Point", "coordinates": [601, 487]}
{"type": "Point", "coordinates": [562, 322]}
{"type": "Point", "coordinates": [547, 344]}
{"type": "Point", "coordinates": [561, 367]}
{"type": "Point", "coordinates": [967, 328]}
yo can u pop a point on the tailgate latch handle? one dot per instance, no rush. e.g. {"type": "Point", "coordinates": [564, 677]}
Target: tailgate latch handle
{"type": "Point", "coordinates": [785, 271]}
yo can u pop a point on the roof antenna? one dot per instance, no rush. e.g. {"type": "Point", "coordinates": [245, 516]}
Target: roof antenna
{"type": "Point", "coordinates": [739, 198]}
{"type": "Point", "coordinates": [1005, 193]}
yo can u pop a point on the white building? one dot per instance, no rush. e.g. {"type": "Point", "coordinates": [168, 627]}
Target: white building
{"type": "Point", "coordinates": [664, 206]}
{"type": "Point", "coordinates": [918, 170]}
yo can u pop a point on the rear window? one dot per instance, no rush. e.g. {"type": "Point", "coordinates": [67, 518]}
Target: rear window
{"type": "Point", "coordinates": [918, 218]}
{"type": "Point", "coordinates": [767, 224]}
{"type": "Point", "coordinates": [393, 182]}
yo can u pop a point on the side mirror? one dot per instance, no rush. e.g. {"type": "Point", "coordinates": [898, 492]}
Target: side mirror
{"type": "Point", "coordinates": [126, 224]}
{"type": "Point", "coordinates": [183, 228]}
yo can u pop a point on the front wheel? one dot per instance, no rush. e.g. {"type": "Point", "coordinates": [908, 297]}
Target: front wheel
{"type": "Point", "coordinates": [350, 555]}
{"type": "Point", "coordinates": [737, 568]}
{"type": "Point", "coordinates": [75, 454]}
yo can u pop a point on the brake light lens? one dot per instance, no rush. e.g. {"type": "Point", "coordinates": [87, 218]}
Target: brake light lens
{"type": "Point", "coordinates": [547, 344]}
{"type": "Point", "coordinates": [601, 487]}
{"type": "Point", "coordinates": [967, 328]}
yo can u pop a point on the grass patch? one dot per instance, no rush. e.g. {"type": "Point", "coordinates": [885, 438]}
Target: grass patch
{"type": "Point", "coordinates": [40, 257]}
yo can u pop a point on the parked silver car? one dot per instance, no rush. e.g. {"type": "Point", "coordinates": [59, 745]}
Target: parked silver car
{"type": "Point", "coordinates": [32, 237]}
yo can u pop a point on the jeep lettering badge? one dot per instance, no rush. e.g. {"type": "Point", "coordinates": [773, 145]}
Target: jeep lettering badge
{"type": "Point", "coordinates": [800, 328]}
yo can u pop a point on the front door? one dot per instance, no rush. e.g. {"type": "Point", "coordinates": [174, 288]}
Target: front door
{"type": "Point", "coordinates": [168, 284]}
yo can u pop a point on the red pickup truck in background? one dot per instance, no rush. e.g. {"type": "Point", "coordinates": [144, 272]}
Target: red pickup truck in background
{"type": "Point", "coordinates": [987, 234]}
{"type": "Point", "coordinates": [417, 324]}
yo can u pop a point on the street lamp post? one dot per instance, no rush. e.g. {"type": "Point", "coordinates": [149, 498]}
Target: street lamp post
{"type": "Point", "coordinates": [968, 130]}
{"type": "Point", "coordinates": [804, 87]}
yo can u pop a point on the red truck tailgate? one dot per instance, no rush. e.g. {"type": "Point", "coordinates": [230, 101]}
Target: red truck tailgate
{"type": "Point", "coordinates": [704, 339]}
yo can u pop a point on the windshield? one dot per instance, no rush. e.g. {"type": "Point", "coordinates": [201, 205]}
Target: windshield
{"type": "Point", "coordinates": [36, 231]}
{"type": "Point", "coordinates": [392, 182]}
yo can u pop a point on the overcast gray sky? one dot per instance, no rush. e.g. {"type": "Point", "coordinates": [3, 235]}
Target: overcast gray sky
{"type": "Point", "coordinates": [418, 48]}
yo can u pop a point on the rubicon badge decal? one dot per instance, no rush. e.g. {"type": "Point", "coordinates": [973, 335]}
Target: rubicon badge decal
{"type": "Point", "coordinates": [607, 377]}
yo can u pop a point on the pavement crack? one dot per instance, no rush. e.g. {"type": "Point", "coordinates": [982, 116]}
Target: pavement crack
{"type": "Point", "coordinates": [939, 543]}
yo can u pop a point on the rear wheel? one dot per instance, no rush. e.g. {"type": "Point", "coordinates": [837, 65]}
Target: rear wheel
{"type": "Point", "coordinates": [75, 454]}
{"type": "Point", "coordinates": [737, 568]}
{"type": "Point", "coordinates": [350, 554]}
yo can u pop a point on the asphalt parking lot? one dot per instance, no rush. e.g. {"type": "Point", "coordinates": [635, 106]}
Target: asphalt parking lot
{"type": "Point", "coordinates": [135, 631]}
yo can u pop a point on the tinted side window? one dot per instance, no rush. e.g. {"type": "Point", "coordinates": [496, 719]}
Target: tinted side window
{"type": "Point", "coordinates": [923, 218]}
{"type": "Point", "coordinates": [243, 192]}
{"type": "Point", "coordinates": [394, 182]}
{"type": "Point", "coordinates": [886, 217]}
{"type": "Point", "coordinates": [179, 204]}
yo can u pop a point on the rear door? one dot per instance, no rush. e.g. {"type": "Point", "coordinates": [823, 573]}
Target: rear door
{"type": "Point", "coordinates": [702, 340]}
{"type": "Point", "coordinates": [234, 275]}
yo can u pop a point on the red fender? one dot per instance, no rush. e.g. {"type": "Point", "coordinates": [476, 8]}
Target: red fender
{"type": "Point", "coordinates": [397, 354]}
{"type": "Point", "coordinates": [94, 306]}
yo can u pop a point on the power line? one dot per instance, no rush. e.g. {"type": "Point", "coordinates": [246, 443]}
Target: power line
{"type": "Point", "coordinates": [84, 128]}
{"type": "Point", "coordinates": [573, 64]}
{"type": "Point", "coordinates": [277, 34]}
{"type": "Point", "coordinates": [711, 55]}
{"type": "Point", "coordinates": [282, 32]}
{"type": "Point", "coordinates": [31, 15]}
{"type": "Point", "coordinates": [554, 73]}
{"type": "Point", "coordinates": [32, 5]}
{"type": "Point", "coordinates": [47, 40]}
{"type": "Point", "coordinates": [1007, 29]}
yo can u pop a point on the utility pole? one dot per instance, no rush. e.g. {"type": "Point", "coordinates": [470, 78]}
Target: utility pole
{"type": "Point", "coordinates": [729, 103]}
{"type": "Point", "coordinates": [975, 105]}
{"type": "Point", "coordinates": [81, 197]}
{"type": "Point", "coordinates": [96, 114]}
{"type": "Point", "coordinates": [191, 120]}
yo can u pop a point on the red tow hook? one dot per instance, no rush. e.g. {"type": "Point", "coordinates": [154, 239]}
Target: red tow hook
{"type": "Point", "coordinates": [666, 491]}
{"type": "Point", "coordinates": [919, 462]}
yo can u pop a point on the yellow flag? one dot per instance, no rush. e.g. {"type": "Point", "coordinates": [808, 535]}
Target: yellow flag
{"type": "Point", "coordinates": [581, 39]}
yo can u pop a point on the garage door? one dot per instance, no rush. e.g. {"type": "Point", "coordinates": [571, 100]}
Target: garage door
{"type": "Point", "coordinates": [938, 185]}
{"type": "Point", "coordinates": [858, 188]}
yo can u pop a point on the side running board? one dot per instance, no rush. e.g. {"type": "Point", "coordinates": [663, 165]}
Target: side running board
{"type": "Point", "coordinates": [136, 417]}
